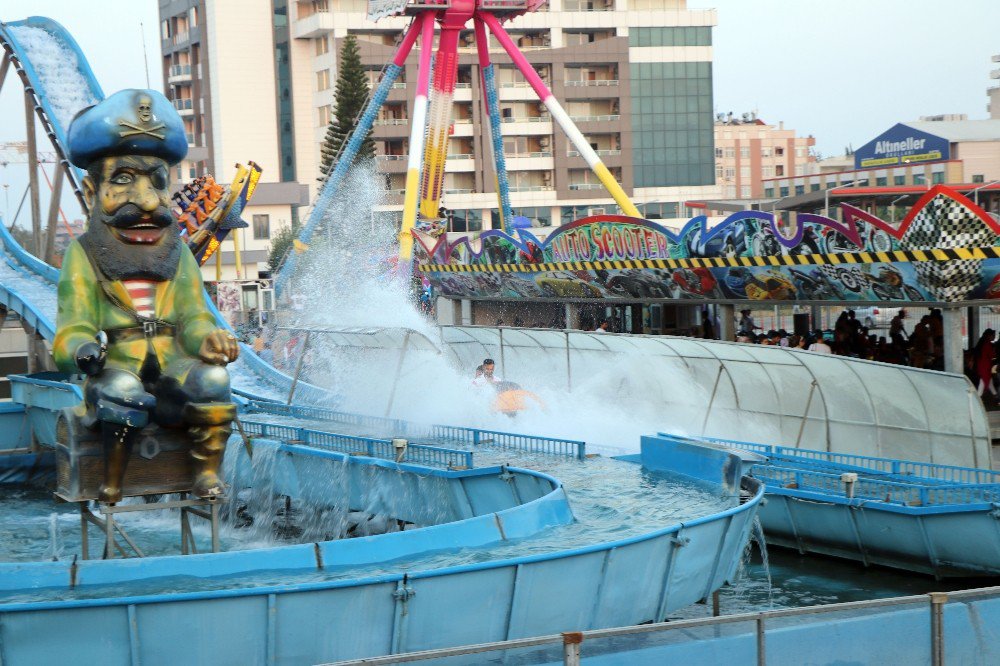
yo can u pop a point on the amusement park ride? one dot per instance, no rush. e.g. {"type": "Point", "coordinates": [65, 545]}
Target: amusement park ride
{"type": "Point", "coordinates": [432, 110]}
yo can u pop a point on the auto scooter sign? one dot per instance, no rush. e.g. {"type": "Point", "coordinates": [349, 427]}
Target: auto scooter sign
{"type": "Point", "coordinates": [608, 238]}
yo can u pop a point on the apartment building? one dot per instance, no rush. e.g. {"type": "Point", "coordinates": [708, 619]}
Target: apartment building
{"type": "Point", "coordinates": [748, 150]}
{"type": "Point", "coordinates": [255, 80]}
{"type": "Point", "coordinates": [226, 69]}
{"type": "Point", "coordinates": [993, 92]}
{"type": "Point", "coordinates": [635, 75]}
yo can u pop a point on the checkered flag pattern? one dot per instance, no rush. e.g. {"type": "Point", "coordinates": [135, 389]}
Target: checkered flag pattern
{"type": "Point", "coordinates": [946, 223]}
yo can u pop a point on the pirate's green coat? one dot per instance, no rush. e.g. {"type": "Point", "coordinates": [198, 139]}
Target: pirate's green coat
{"type": "Point", "coordinates": [85, 308]}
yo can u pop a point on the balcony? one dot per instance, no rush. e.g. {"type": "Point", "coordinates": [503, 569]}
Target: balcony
{"type": "Point", "coordinates": [600, 153]}
{"type": "Point", "coordinates": [312, 26]}
{"type": "Point", "coordinates": [596, 119]}
{"type": "Point", "coordinates": [531, 188]}
{"type": "Point", "coordinates": [185, 107]}
{"type": "Point", "coordinates": [391, 121]}
{"type": "Point", "coordinates": [598, 83]}
{"type": "Point", "coordinates": [179, 74]}
{"type": "Point", "coordinates": [527, 119]}
{"type": "Point", "coordinates": [586, 186]}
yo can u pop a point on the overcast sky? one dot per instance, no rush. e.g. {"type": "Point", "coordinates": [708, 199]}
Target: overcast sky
{"type": "Point", "coordinates": [841, 70]}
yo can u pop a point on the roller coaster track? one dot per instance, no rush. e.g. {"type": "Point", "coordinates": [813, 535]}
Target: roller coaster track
{"type": "Point", "coordinates": [59, 83]}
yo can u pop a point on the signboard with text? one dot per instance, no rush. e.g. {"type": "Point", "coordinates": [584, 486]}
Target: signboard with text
{"type": "Point", "coordinates": [901, 145]}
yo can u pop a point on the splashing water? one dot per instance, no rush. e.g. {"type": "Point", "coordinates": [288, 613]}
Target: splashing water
{"type": "Point", "coordinates": [345, 281]}
{"type": "Point", "coordinates": [55, 550]}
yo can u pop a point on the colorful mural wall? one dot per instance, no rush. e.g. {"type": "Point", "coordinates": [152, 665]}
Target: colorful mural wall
{"type": "Point", "coordinates": [947, 249]}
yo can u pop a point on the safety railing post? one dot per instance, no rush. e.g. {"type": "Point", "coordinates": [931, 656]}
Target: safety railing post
{"type": "Point", "coordinates": [475, 437]}
{"type": "Point", "coordinates": [938, 600]}
{"type": "Point", "coordinates": [571, 648]}
{"type": "Point", "coordinates": [761, 642]}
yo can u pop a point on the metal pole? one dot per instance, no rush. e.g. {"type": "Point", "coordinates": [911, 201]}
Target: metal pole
{"type": "Point", "coordinates": [571, 647]}
{"type": "Point", "coordinates": [559, 114]}
{"type": "Point", "coordinates": [761, 642]}
{"type": "Point", "coordinates": [503, 367]}
{"type": "Point", "coordinates": [36, 213]}
{"type": "Point", "coordinates": [4, 66]}
{"type": "Point", "coordinates": [215, 527]}
{"type": "Point", "coordinates": [716, 611]}
{"type": "Point", "coordinates": [805, 414]}
{"type": "Point", "coordinates": [399, 369]}
{"type": "Point", "coordinates": [50, 230]}
{"type": "Point", "coordinates": [418, 129]}
{"type": "Point", "coordinates": [298, 369]}
{"type": "Point", "coordinates": [938, 600]}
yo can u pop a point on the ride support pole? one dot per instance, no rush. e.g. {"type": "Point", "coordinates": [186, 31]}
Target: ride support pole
{"type": "Point", "coordinates": [491, 103]}
{"type": "Point", "coordinates": [560, 116]}
{"type": "Point", "coordinates": [418, 129]}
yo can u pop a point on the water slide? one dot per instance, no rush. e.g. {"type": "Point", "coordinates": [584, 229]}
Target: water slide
{"type": "Point", "coordinates": [56, 74]}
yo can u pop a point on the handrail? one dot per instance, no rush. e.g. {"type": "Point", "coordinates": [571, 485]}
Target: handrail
{"type": "Point", "coordinates": [355, 445]}
{"type": "Point", "coordinates": [935, 602]}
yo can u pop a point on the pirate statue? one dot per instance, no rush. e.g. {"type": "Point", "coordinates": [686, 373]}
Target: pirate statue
{"type": "Point", "coordinates": [132, 315]}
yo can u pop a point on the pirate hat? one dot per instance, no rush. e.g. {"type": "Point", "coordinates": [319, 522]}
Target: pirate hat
{"type": "Point", "coordinates": [130, 122]}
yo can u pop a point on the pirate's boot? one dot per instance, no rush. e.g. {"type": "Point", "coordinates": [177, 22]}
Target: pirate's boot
{"type": "Point", "coordinates": [117, 440]}
{"type": "Point", "coordinates": [209, 425]}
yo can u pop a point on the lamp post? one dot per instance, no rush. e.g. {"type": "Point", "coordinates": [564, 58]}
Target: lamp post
{"type": "Point", "coordinates": [892, 206]}
{"type": "Point", "coordinates": [826, 194]}
{"type": "Point", "coordinates": [975, 192]}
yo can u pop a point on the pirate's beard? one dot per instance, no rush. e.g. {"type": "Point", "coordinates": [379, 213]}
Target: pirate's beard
{"type": "Point", "coordinates": [119, 260]}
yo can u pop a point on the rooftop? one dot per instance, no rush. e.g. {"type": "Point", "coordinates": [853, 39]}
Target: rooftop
{"type": "Point", "coordinates": [960, 130]}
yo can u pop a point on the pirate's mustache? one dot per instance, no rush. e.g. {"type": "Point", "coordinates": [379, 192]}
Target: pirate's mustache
{"type": "Point", "coordinates": [131, 215]}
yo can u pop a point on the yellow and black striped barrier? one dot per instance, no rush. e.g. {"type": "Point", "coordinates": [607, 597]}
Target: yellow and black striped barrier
{"type": "Point", "coordinates": [961, 253]}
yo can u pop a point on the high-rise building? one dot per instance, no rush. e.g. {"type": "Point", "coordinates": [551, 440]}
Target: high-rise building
{"type": "Point", "coordinates": [226, 70]}
{"type": "Point", "coordinates": [255, 80]}
{"type": "Point", "coordinates": [748, 150]}
{"type": "Point", "coordinates": [993, 92]}
{"type": "Point", "coordinates": [635, 76]}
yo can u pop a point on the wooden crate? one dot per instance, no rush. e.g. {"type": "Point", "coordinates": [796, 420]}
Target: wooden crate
{"type": "Point", "coordinates": [80, 462]}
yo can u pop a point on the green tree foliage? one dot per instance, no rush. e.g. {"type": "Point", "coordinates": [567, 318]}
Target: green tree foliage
{"type": "Point", "coordinates": [281, 243]}
{"type": "Point", "coordinates": [349, 101]}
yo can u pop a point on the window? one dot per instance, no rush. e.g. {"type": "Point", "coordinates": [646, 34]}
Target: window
{"type": "Point", "coordinates": [783, 191]}
{"type": "Point", "coordinates": [814, 187]}
{"type": "Point", "coordinates": [800, 189]}
{"type": "Point", "coordinates": [744, 172]}
{"type": "Point", "coordinates": [779, 170]}
{"type": "Point", "coordinates": [730, 152]}
{"type": "Point", "coordinates": [765, 151]}
{"type": "Point", "coordinates": [673, 36]}
{"type": "Point", "coordinates": [730, 173]}
{"type": "Point", "coordinates": [261, 227]}
{"type": "Point", "coordinates": [800, 152]}
{"type": "Point", "coordinates": [744, 191]}
{"type": "Point", "coordinates": [323, 80]}
{"type": "Point", "coordinates": [779, 151]}
{"type": "Point", "coordinates": [745, 152]}
{"type": "Point", "coordinates": [919, 179]}
{"type": "Point", "coordinates": [324, 115]}
{"type": "Point", "coordinates": [769, 192]}
{"type": "Point", "coordinates": [320, 6]}
{"type": "Point", "coordinates": [540, 216]}
{"type": "Point", "coordinates": [718, 172]}
{"type": "Point", "coordinates": [718, 153]}
{"type": "Point", "coordinates": [899, 180]}
{"type": "Point", "coordinates": [978, 178]}
{"type": "Point", "coordinates": [937, 177]}
{"type": "Point", "coordinates": [322, 45]}
{"type": "Point", "coordinates": [881, 181]}
{"type": "Point", "coordinates": [767, 171]}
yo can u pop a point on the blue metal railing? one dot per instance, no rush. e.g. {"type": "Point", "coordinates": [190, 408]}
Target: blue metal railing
{"type": "Point", "coordinates": [890, 468]}
{"type": "Point", "coordinates": [420, 454]}
{"type": "Point", "coordinates": [471, 437]}
{"type": "Point", "coordinates": [509, 440]}
{"type": "Point", "coordinates": [908, 494]}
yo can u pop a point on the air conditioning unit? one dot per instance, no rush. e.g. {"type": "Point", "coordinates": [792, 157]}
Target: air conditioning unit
{"type": "Point", "coordinates": [543, 74]}
{"type": "Point", "coordinates": [541, 107]}
{"type": "Point", "coordinates": [547, 177]}
{"type": "Point", "coordinates": [544, 141]}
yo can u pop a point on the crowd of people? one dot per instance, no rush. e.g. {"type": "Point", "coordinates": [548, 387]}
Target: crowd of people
{"type": "Point", "coordinates": [921, 347]}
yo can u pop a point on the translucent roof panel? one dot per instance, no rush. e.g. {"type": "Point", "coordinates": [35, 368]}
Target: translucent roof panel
{"type": "Point", "coordinates": [770, 395]}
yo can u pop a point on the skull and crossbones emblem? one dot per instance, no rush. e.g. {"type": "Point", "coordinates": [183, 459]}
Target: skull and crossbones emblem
{"type": "Point", "coordinates": [144, 111]}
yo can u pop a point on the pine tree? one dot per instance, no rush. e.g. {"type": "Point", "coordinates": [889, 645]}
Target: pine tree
{"type": "Point", "coordinates": [350, 96]}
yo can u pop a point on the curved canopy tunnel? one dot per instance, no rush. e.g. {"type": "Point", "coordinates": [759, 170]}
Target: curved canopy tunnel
{"type": "Point", "coordinates": [726, 390]}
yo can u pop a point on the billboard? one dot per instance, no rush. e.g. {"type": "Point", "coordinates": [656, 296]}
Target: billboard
{"type": "Point", "coordinates": [901, 145]}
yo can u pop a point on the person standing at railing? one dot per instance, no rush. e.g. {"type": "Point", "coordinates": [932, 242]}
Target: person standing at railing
{"type": "Point", "coordinates": [984, 357]}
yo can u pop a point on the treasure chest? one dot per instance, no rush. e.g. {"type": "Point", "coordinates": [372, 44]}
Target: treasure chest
{"type": "Point", "coordinates": [159, 463]}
